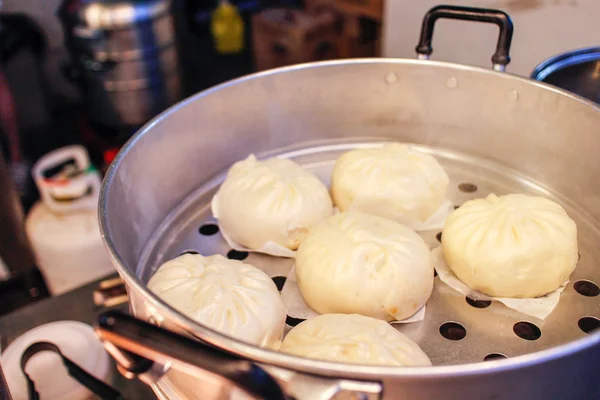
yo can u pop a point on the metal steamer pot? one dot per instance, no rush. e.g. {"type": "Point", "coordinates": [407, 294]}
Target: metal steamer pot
{"type": "Point", "coordinates": [495, 131]}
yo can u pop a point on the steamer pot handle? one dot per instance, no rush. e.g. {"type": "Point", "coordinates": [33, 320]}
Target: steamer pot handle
{"type": "Point", "coordinates": [501, 57]}
{"type": "Point", "coordinates": [138, 346]}
{"type": "Point", "coordinates": [142, 350]}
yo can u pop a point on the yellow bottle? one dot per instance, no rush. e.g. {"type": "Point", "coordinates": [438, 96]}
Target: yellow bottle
{"type": "Point", "coordinates": [227, 28]}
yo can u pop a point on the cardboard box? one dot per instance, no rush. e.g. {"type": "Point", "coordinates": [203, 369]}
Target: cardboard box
{"type": "Point", "coordinates": [372, 9]}
{"type": "Point", "coordinates": [287, 36]}
{"type": "Point", "coordinates": [358, 23]}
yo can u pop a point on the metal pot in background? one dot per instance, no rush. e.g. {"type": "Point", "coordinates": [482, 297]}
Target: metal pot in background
{"type": "Point", "coordinates": [124, 57]}
{"type": "Point", "coordinates": [577, 71]}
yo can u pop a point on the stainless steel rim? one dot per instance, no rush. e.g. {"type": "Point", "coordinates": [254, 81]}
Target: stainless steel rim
{"type": "Point", "coordinates": [321, 367]}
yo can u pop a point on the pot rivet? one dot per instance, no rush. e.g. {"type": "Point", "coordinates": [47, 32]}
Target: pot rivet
{"type": "Point", "coordinates": [513, 95]}
{"type": "Point", "coordinates": [155, 319]}
{"type": "Point", "coordinates": [452, 82]}
{"type": "Point", "coordinates": [391, 78]}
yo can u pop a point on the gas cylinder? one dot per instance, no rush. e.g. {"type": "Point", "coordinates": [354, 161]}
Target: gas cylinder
{"type": "Point", "coordinates": [63, 226]}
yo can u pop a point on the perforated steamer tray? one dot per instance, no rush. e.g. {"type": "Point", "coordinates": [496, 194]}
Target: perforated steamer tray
{"type": "Point", "coordinates": [456, 329]}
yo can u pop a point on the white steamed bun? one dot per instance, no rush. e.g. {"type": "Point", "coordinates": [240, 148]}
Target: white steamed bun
{"type": "Point", "coordinates": [274, 200]}
{"type": "Point", "coordinates": [511, 246]}
{"type": "Point", "coordinates": [364, 264]}
{"type": "Point", "coordinates": [353, 339]}
{"type": "Point", "coordinates": [227, 295]}
{"type": "Point", "coordinates": [394, 181]}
